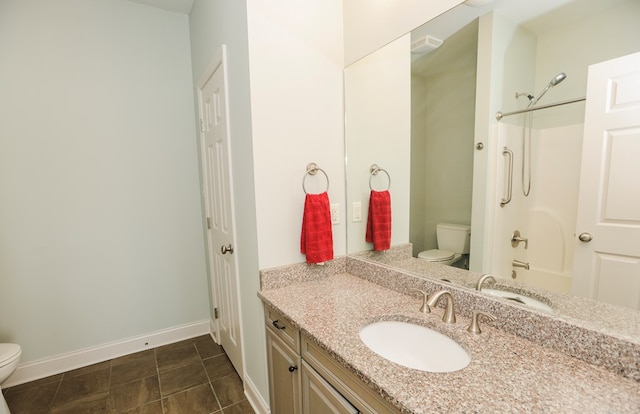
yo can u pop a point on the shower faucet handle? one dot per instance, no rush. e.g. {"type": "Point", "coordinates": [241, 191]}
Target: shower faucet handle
{"type": "Point", "coordinates": [516, 239]}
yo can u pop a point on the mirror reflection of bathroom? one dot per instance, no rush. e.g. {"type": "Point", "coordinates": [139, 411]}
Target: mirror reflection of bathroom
{"type": "Point", "coordinates": [443, 90]}
{"type": "Point", "coordinates": [458, 82]}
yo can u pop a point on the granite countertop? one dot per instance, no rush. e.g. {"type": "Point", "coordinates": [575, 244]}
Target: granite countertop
{"type": "Point", "coordinates": [506, 374]}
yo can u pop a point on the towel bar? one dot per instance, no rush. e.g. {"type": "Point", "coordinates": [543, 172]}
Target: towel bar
{"type": "Point", "coordinates": [374, 170]}
{"type": "Point", "coordinates": [312, 169]}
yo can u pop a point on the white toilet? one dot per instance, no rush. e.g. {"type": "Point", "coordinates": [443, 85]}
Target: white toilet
{"type": "Point", "coordinates": [9, 358]}
{"type": "Point", "coordinates": [453, 242]}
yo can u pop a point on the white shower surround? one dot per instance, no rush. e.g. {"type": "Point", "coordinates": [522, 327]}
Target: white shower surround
{"type": "Point", "coordinates": [547, 217]}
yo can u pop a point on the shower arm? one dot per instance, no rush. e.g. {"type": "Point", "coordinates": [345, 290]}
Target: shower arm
{"type": "Point", "coordinates": [500, 115]}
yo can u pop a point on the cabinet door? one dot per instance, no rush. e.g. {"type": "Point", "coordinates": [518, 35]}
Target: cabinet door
{"type": "Point", "coordinates": [319, 397]}
{"type": "Point", "coordinates": [284, 377]}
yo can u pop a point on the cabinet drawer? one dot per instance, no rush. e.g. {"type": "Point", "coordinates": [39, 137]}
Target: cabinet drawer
{"type": "Point", "coordinates": [282, 328]}
{"type": "Point", "coordinates": [363, 397]}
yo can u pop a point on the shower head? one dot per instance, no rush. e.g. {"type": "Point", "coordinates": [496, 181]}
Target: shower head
{"type": "Point", "coordinates": [553, 82]}
{"type": "Point", "coordinates": [557, 79]}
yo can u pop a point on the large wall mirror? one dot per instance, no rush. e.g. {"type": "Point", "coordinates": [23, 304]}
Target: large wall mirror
{"type": "Point", "coordinates": [424, 106]}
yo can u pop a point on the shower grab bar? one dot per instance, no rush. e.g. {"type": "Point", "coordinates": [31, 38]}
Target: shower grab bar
{"type": "Point", "coordinates": [505, 201]}
{"type": "Point", "coordinates": [500, 115]}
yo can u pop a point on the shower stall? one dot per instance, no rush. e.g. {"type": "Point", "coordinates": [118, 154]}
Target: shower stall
{"type": "Point", "coordinates": [527, 207]}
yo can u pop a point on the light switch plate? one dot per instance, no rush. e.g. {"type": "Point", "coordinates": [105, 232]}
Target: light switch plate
{"type": "Point", "coordinates": [357, 211]}
{"type": "Point", "coordinates": [335, 213]}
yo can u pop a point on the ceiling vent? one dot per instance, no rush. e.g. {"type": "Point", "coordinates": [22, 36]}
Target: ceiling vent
{"type": "Point", "coordinates": [425, 44]}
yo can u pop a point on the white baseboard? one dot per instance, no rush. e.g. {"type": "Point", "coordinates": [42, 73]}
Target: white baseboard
{"type": "Point", "coordinates": [258, 403]}
{"type": "Point", "coordinates": [45, 367]}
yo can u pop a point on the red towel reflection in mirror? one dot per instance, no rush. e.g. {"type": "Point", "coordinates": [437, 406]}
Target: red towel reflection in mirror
{"type": "Point", "coordinates": [379, 220]}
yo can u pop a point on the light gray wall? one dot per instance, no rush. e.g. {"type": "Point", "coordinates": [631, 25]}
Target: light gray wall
{"type": "Point", "coordinates": [443, 106]}
{"type": "Point", "coordinates": [378, 122]}
{"type": "Point", "coordinates": [297, 116]}
{"type": "Point", "coordinates": [100, 219]}
{"type": "Point", "coordinates": [213, 23]}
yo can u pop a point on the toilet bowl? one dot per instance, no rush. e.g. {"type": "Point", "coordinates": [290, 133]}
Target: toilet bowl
{"type": "Point", "coordinates": [444, 257]}
{"type": "Point", "coordinates": [9, 358]}
{"type": "Point", "coordinates": [453, 243]}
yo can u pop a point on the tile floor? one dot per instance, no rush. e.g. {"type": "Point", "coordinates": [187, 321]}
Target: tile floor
{"type": "Point", "coordinates": [189, 377]}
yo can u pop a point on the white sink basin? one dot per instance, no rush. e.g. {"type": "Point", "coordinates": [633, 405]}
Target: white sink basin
{"type": "Point", "coordinates": [521, 299]}
{"type": "Point", "coordinates": [414, 346]}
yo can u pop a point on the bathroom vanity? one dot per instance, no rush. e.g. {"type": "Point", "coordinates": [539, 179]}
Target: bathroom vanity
{"type": "Point", "coordinates": [314, 315]}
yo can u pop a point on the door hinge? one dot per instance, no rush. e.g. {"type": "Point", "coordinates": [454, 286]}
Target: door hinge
{"type": "Point", "coordinates": [215, 313]}
{"type": "Point", "coordinates": [209, 223]}
{"type": "Point", "coordinates": [202, 126]}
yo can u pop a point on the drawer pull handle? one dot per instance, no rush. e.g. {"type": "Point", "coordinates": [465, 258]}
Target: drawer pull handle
{"type": "Point", "coordinates": [277, 326]}
{"type": "Point", "coordinates": [292, 368]}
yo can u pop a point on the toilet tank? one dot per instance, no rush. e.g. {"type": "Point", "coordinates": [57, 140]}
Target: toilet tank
{"type": "Point", "coordinates": [453, 237]}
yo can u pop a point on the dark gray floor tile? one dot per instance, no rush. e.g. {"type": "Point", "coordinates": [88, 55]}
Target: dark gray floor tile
{"type": "Point", "coordinates": [133, 394]}
{"type": "Point", "coordinates": [218, 366]}
{"type": "Point", "coordinates": [229, 390]}
{"type": "Point", "coordinates": [89, 386]}
{"type": "Point", "coordinates": [154, 407]}
{"type": "Point", "coordinates": [88, 369]}
{"type": "Point", "coordinates": [174, 357]}
{"type": "Point", "coordinates": [207, 348]}
{"type": "Point", "coordinates": [175, 345]}
{"type": "Point", "coordinates": [197, 400]}
{"type": "Point", "coordinates": [189, 377]}
{"type": "Point", "coordinates": [149, 353]}
{"type": "Point", "coordinates": [33, 384]}
{"type": "Point", "coordinates": [182, 378]}
{"type": "Point", "coordinates": [89, 405]}
{"type": "Point", "coordinates": [133, 369]}
{"type": "Point", "coordinates": [243, 407]}
{"type": "Point", "coordinates": [29, 400]}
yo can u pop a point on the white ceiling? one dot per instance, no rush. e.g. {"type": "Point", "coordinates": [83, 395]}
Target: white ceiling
{"type": "Point", "coordinates": [178, 6]}
{"type": "Point", "coordinates": [537, 16]}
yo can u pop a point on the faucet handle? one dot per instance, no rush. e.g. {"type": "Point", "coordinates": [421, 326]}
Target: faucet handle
{"type": "Point", "coordinates": [424, 308]}
{"type": "Point", "coordinates": [474, 327]}
{"type": "Point", "coordinates": [517, 239]}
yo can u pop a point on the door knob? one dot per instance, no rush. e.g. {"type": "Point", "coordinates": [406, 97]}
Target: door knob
{"type": "Point", "coordinates": [227, 249]}
{"type": "Point", "coordinates": [585, 237]}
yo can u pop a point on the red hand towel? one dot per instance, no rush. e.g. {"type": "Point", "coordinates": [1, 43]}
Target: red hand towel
{"type": "Point", "coordinates": [379, 220]}
{"type": "Point", "coordinates": [316, 240]}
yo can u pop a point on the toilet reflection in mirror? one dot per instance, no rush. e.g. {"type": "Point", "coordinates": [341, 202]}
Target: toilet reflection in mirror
{"type": "Point", "coordinates": [453, 246]}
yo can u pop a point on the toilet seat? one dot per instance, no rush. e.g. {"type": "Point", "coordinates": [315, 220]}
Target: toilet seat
{"type": "Point", "coordinates": [436, 255]}
{"type": "Point", "coordinates": [9, 353]}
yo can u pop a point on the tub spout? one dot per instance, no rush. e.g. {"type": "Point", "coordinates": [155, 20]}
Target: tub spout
{"type": "Point", "coordinates": [518, 263]}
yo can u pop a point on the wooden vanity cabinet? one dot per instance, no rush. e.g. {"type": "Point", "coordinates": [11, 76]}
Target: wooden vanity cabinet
{"type": "Point", "coordinates": [304, 378]}
{"type": "Point", "coordinates": [319, 397]}
{"type": "Point", "coordinates": [283, 357]}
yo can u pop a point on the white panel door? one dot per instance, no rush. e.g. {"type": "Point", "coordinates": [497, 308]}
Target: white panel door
{"type": "Point", "coordinates": [607, 252]}
{"type": "Point", "coordinates": [219, 209]}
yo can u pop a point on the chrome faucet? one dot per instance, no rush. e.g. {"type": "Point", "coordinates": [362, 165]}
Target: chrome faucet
{"type": "Point", "coordinates": [449, 315]}
{"type": "Point", "coordinates": [518, 263]}
{"type": "Point", "coordinates": [483, 279]}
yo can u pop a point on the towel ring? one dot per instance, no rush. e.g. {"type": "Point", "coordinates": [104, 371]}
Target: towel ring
{"type": "Point", "coordinates": [374, 170]}
{"type": "Point", "coordinates": [312, 169]}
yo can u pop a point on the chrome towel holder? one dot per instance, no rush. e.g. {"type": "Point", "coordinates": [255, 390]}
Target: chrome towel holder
{"type": "Point", "coordinates": [312, 169]}
{"type": "Point", "coordinates": [374, 170]}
